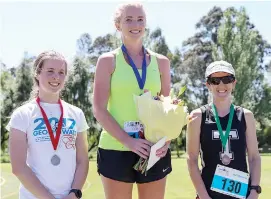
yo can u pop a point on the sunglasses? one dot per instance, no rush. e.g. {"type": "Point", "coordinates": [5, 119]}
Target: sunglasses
{"type": "Point", "coordinates": [216, 80]}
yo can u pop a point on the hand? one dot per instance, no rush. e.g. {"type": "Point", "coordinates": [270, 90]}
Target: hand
{"type": "Point", "coordinates": [163, 150]}
{"type": "Point", "coordinates": [253, 195]}
{"type": "Point", "coordinates": [139, 146]}
{"type": "Point", "coordinates": [208, 197]}
{"type": "Point", "coordinates": [70, 196]}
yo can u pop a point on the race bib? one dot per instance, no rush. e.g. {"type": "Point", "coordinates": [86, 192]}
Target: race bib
{"type": "Point", "coordinates": [230, 182]}
{"type": "Point", "coordinates": [133, 128]}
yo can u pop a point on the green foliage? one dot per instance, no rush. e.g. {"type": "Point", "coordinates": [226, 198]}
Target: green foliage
{"type": "Point", "coordinates": [7, 102]}
{"type": "Point", "coordinates": [78, 92]}
{"type": "Point", "coordinates": [24, 81]}
{"type": "Point", "coordinates": [197, 54]}
{"type": "Point", "coordinates": [241, 44]}
{"type": "Point", "coordinates": [227, 35]}
{"type": "Point", "coordinates": [16, 86]}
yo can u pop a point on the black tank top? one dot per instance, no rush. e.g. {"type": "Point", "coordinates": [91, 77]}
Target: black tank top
{"type": "Point", "coordinates": [211, 150]}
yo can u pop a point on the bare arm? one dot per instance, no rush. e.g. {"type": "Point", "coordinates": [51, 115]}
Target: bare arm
{"type": "Point", "coordinates": [192, 146]}
{"type": "Point", "coordinates": [82, 162]}
{"type": "Point", "coordinates": [104, 70]}
{"type": "Point", "coordinates": [254, 158]}
{"type": "Point", "coordinates": [18, 151]}
{"type": "Point", "coordinates": [164, 68]}
{"type": "Point", "coordinates": [101, 95]}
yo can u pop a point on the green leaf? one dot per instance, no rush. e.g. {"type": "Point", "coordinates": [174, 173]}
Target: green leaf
{"type": "Point", "coordinates": [181, 91]}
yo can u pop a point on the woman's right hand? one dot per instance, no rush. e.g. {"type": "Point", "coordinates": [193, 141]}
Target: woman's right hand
{"type": "Point", "coordinates": [139, 146]}
{"type": "Point", "coordinates": [208, 197]}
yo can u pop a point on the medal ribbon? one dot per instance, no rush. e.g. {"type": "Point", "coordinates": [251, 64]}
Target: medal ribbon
{"type": "Point", "coordinates": [223, 137]}
{"type": "Point", "coordinates": [54, 140]}
{"type": "Point", "coordinates": [140, 81]}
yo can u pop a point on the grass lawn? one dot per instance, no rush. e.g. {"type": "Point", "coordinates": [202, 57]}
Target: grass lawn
{"type": "Point", "coordinates": [179, 185]}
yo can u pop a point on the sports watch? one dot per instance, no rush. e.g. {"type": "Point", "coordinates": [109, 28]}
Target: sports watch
{"type": "Point", "coordinates": [257, 188]}
{"type": "Point", "coordinates": [77, 192]}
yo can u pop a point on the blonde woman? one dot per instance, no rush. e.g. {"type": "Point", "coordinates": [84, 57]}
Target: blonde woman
{"type": "Point", "coordinates": [120, 74]}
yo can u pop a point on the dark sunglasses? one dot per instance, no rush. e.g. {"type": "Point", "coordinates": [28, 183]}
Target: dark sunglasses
{"type": "Point", "coordinates": [216, 80]}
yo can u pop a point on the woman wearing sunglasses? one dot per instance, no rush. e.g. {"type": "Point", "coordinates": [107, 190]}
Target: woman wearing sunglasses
{"type": "Point", "coordinates": [222, 133]}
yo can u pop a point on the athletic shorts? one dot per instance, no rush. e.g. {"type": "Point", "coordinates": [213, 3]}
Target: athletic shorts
{"type": "Point", "coordinates": [118, 165]}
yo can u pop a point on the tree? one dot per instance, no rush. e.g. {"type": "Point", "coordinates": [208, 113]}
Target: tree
{"type": "Point", "coordinates": [197, 54]}
{"type": "Point", "coordinates": [103, 44]}
{"type": "Point", "coordinates": [24, 82]}
{"type": "Point", "coordinates": [267, 135]}
{"type": "Point", "coordinates": [269, 73]}
{"type": "Point", "coordinates": [84, 44]}
{"type": "Point", "coordinates": [7, 102]}
{"type": "Point", "coordinates": [241, 44]}
{"type": "Point", "coordinates": [78, 92]}
{"type": "Point", "coordinates": [237, 41]}
{"type": "Point", "coordinates": [16, 89]}
{"type": "Point", "coordinates": [158, 42]}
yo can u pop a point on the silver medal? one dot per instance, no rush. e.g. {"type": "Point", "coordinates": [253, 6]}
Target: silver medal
{"type": "Point", "coordinates": [226, 160]}
{"type": "Point", "coordinates": [55, 160]}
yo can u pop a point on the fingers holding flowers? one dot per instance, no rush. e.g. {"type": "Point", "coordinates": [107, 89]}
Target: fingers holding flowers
{"type": "Point", "coordinates": [163, 150]}
{"type": "Point", "coordinates": [139, 146]}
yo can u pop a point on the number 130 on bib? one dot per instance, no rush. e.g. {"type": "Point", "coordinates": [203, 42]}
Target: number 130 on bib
{"type": "Point", "coordinates": [230, 182]}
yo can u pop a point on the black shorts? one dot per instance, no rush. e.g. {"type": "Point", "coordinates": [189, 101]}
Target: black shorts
{"type": "Point", "coordinates": [118, 165]}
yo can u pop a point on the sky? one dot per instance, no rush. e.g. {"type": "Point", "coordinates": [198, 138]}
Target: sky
{"type": "Point", "coordinates": [28, 26]}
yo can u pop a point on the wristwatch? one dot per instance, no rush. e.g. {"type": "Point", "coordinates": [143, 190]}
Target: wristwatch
{"type": "Point", "coordinates": [257, 188]}
{"type": "Point", "coordinates": [77, 192]}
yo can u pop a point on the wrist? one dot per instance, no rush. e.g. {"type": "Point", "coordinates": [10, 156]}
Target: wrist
{"type": "Point", "coordinates": [126, 140]}
{"type": "Point", "coordinates": [254, 194]}
{"type": "Point", "coordinates": [76, 193]}
{"type": "Point", "coordinates": [72, 195]}
{"type": "Point", "coordinates": [205, 196]}
{"type": "Point", "coordinates": [255, 189]}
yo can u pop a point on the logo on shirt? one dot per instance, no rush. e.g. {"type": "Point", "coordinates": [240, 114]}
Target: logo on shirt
{"type": "Point", "coordinates": [68, 132]}
{"type": "Point", "coordinates": [232, 136]}
{"type": "Point", "coordinates": [69, 141]}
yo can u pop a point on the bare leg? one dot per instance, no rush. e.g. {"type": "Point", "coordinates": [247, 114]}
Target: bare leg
{"type": "Point", "coordinates": [153, 190]}
{"type": "Point", "coordinates": [116, 190]}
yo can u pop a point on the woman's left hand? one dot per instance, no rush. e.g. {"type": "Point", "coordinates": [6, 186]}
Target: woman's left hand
{"type": "Point", "coordinates": [163, 150]}
{"type": "Point", "coordinates": [70, 196]}
{"type": "Point", "coordinates": [253, 195]}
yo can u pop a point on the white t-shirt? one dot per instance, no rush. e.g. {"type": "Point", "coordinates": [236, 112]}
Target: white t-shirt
{"type": "Point", "coordinates": [28, 118]}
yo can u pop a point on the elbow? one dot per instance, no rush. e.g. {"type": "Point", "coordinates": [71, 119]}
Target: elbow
{"type": "Point", "coordinates": [192, 163]}
{"type": "Point", "coordinates": [84, 162]}
{"type": "Point", "coordinates": [17, 169]}
{"type": "Point", "coordinates": [97, 112]}
{"type": "Point", "coordinates": [255, 159]}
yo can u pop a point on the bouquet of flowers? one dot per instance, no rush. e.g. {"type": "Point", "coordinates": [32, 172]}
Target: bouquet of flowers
{"type": "Point", "coordinates": [161, 117]}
